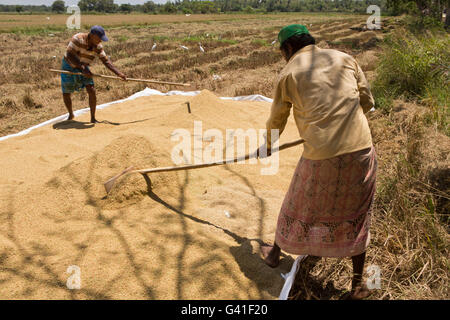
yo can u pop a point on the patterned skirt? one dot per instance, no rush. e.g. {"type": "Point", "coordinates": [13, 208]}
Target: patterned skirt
{"type": "Point", "coordinates": [327, 209]}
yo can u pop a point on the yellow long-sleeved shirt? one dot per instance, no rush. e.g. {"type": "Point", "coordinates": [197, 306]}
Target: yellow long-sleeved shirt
{"type": "Point", "coordinates": [329, 95]}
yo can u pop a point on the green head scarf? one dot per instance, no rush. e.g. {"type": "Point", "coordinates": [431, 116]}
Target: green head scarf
{"type": "Point", "coordinates": [291, 30]}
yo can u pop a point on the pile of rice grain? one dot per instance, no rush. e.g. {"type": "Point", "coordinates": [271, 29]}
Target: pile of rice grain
{"type": "Point", "coordinates": [165, 238]}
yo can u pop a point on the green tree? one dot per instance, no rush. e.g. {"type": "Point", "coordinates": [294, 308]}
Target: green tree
{"type": "Point", "coordinates": [207, 7]}
{"type": "Point", "coordinates": [19, 8]}
{"type": "Point", "coordinates": [423, 8]}
{"type": "Point", "coordinates": [169, 7]}
{"type": "Point", "coordinates": [97, 5]}
{"type": "Point", "coordinates": [87, 5]}
{"type": "Point", "coordinates": [248, 9]}
{"type": "Point", "coordinates": [105, 6]}
{"type": "Point", "coordinates": [58, 6]}
{"type": "Point", "coordinates": [149, 6]}
{"type": "Point", "coordinates": [126, 7]}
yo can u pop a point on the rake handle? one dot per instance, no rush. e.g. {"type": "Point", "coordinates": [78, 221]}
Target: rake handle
{"type": "Point", "coordinates": [205, 165]}
{"type": "Point", "coordinates": [119, 78]}
{"type": "Point", "coordinates": [110, 183]}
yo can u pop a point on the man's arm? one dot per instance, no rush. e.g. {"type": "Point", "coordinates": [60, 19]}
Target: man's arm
{"type": "Point", "coordinates": [365, 96]}
{"type": "Point", "coordinates": [111, 67]}
{"type": "Point", "coordinates": [280, 110]}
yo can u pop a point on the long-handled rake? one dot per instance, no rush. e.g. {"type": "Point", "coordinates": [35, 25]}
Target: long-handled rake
{"type": "Point", "coordinates": [128, 79]}
{"type": "Point", "coordinates": [110, 183]}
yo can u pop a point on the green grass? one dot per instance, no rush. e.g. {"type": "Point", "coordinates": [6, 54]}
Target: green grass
{"type": "Point", "coordinates": [14, 20]}
{"type": "Point", "coordinates": [160, 38]}
{"type": "Point", "coordinates": [194, 39]}
{"type": "Point", "coordinates": [438, 111]}
{"type": "Point", "coordinates": [415, 68]}
{"type": "Point", "coordinates": [137, 26]}
{"type": "Point", "coordinates": [34, 31]}
{"type": "Point", "coordinates": [122, 39]}
{"type": "Point", "coordinates": [261, 42]}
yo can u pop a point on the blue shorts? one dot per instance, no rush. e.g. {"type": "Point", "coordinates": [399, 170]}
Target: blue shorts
{"type": "Point", "coordinates": [70, 82]}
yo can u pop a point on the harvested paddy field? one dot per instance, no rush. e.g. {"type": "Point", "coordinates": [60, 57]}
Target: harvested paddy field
{"type": "Point", "coordinates": [239, 59]}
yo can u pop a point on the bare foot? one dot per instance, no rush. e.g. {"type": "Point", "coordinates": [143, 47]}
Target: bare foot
{"type": "Point", "coordinates": [94, 121]}
{"type": "Point", "coordinates": [271, 256]}
{"type": "Point", "coordinates": [360, 292]}
{"type": "Point", "coordinates": [71, 116]}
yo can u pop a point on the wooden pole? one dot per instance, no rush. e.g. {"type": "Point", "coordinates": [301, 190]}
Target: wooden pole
{"type": "Point", "coordinates": [119, 78]}
{"type": "Point", "coordinates": [110, 183]}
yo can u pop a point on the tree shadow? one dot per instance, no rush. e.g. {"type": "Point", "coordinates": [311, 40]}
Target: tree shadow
{"type": "Point", "coordinates": [251, 264]}
{"type": "Point", "coordinates": [34, 257]}
{"type": "Point", "coordinates": [156, 198]}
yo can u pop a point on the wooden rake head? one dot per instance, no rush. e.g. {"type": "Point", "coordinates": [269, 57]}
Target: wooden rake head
{"type": "Point", "coordinates": [110, 183]}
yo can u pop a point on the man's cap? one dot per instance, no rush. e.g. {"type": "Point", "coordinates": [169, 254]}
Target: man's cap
{"type": "Point", "coordinates": [291, 30]}
{"type": "Point", "coordinates": [99, 31]}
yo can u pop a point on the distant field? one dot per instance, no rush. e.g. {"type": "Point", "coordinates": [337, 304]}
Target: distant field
{"type": "Point", "coordinates": [39, 22]}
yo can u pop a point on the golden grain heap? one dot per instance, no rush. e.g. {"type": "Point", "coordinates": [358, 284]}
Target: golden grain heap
{"type": "Point", "coordinates": [163, 238]}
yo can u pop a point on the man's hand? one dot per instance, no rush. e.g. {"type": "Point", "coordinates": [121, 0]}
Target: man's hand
{"type": "Point", "coordinates": [86, 71]}
{"type": "Point", "coordinates": [122, 76]}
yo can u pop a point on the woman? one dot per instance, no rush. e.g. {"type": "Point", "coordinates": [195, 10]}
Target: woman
{"type": "Point", "coordinates": [326, 211]}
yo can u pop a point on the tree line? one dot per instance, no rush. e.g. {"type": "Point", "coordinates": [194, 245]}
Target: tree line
{"type": "Point", "coordinates": [433, 8]}
{"type": "Point", "coordinates": [201, 6]}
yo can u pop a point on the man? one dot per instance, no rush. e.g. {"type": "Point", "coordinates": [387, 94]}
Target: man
{"type": "Point", "coordinates": [81, 51]}
{"type": "Point", "coordinates": [326, 211]}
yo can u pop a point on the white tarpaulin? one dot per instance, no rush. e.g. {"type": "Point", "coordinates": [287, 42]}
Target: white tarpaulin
{"type": "Point", "coordinates": [289, 278]}
{"type": "Point", "coordinates": [143, 93]}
